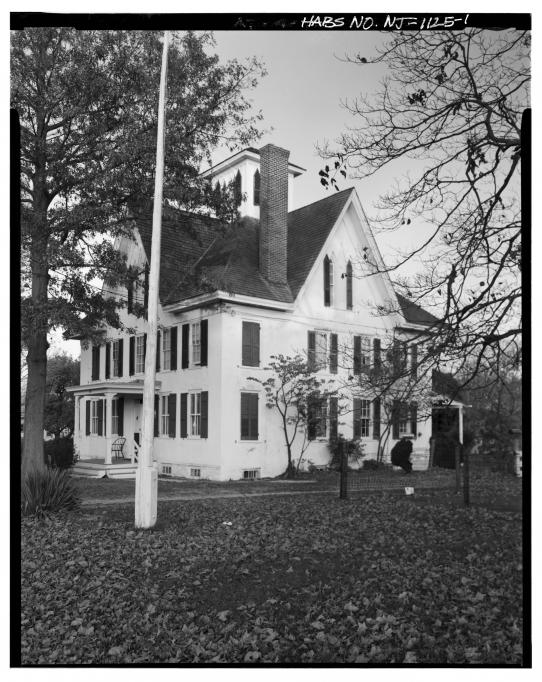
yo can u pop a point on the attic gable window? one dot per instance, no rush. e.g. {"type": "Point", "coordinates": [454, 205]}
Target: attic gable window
{"type": "Point", "coordinates": [328, 281]}
{"type": "Point", "coordinates": [257, 188]}
{"type": "Point", "coordinates": [349, 286]}
{"type": "Point", "coordinates": [238, 189]}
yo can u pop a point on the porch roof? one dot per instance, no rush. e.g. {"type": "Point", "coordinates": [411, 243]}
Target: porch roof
{"type": "Point", "coordinates": [134, 387]}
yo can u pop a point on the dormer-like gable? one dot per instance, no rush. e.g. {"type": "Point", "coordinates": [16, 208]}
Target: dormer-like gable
{"type": "Point", "coordinates": [245, 167]}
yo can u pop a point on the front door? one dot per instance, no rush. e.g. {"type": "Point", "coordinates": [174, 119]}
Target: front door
{"type": "Point", "coordinates": [133, 423]}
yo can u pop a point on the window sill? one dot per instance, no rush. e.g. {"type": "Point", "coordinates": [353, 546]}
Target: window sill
{"type": "Point", "coordinates": [246, 440]}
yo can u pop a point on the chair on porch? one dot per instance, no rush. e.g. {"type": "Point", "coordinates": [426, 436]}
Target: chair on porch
{"type": "Point", "coordinates": [117, 448]}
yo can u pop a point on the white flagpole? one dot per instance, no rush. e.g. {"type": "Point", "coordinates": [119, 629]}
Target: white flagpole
{"type": "Point", "coordinates": [146, 497]}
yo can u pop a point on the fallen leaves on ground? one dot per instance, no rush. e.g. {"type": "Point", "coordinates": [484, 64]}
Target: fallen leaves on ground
{"type": "Point", "coordinates": [375, 579]}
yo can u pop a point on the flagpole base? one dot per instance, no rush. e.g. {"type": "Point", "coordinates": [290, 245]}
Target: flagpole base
{"type": "Point", "coordinates": [146, 497]}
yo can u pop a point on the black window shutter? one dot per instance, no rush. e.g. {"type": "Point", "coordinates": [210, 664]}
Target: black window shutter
{"type": "Point", "coordinates": [246, 354]}
{"type": "Point", "coordinates": [414, 419]}
{"type": "Point", "coordinates": [327, 292]}
{"type": "Point", "coordinates": [172, 409]}
{"type": "Point", "coordinates": [95, 362]}
{"type": "Point", "coordinates": [131, 364]}
{"type": "Point", "coordinates": [185, 349]}
{"type": "Point", "coordinates": [146, 291]}
{"type": "Point", "coordinates": [244, 416]}
{"type": "Point", "coordinates": [158, 349]}
{"type": "Point", "coordinates": [184, 407]}
{"type": "Point", "coordinates": [144, 347]}
{"type": "Point", "coordinates": [156, 411]}
{"type": "Point", "coordinates": [311, 419]}
{"type": "Point", "coordinates": [357, 354]}
{"type": "Point", "coordinates": [107, 360]}
{"type": "Point", "coordinates": [120, 410]}
{"type": "Point", "coordinates": [377, 359]}
{"type": "Point", "coordinates": [395, 415]}
{"type": "Point", "coordinates": [130, 288]}
{"type": "Point", "coordinates": [256, 344]}
{"type": "Point", "coordinates": [311, 351]}
{"type": "Point", "coordinates": [251, 344]}
{"type": "Point", "coordinates": [121, 358]}
{"type": "Point", "coordinates": [101, 420]}
{"type": "Point", "coordinates": [376, 418]}
{"type": "Point", "coordinates": [333, 354]}
{"type": "Point", "coordinates": [414, 359]}
{"type": "Point", "coordinates": [357, 418]}
{"type": "Point", "coordinates": [173, 338]}
{"type": "Point", "coordinates": [254, 398]}
{"type": "Point", "coordinates": [333, 417]}
{"type": "Point", "coordinates": [87, 418]}
{"type": "Point", "coordinates": [203, 338]}
{"type": "Point", "coordinates": [204, 430]}
{"type": "Point", "coordinates": [249, 416]}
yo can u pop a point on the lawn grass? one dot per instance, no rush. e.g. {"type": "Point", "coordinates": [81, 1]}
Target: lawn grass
{"type": "Point", "coordinates": [381, 578]}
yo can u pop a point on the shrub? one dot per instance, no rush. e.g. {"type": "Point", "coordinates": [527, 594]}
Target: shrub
{"type": "Point", "coordinates": [59, 453]}
{"type": "Point", "coordinates": [48, 491]}
{"type": "Point", "coordinates": [374, 464]}
{"type": "Point", "coordinates": [354, 449]}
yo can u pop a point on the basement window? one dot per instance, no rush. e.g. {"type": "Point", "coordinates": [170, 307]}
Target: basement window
{"type": "Point", "coordinates": [195, 473]}
{"type": "Point", "coordinates": [251, 474]}
{"type": "Point", "coordinates": [166, 470]}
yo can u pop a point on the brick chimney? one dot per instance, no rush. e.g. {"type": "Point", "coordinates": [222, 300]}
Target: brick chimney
{"type": "Point", "coordinates": [274, 213]}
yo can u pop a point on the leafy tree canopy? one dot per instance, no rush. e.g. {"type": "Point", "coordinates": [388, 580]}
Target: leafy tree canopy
{"type": "Point", "coordinates": [451, 104]}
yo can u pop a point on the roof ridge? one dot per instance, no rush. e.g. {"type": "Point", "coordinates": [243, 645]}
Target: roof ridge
{"type": "Point", "coordinates": [313, 203]}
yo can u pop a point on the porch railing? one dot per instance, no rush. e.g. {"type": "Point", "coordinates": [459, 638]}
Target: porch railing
{"type": "Point", "coordinates": [135, 453]}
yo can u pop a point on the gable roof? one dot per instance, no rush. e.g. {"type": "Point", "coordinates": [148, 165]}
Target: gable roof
{"type": "Point", "coordinates": [185, 237]}
{"type": "Point", "coordinates": [200, 254]}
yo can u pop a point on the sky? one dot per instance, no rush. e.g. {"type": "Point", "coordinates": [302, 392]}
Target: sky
{"type": "Point", "coordinates": [301, 97]}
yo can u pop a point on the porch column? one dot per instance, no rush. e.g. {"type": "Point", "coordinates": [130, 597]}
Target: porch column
{"type": "Point", "coordinates": [108, 431]}
{"type": "Point", "coordinates": [77, 418]}
{"type": "Point", "coordinates": [460, 425]}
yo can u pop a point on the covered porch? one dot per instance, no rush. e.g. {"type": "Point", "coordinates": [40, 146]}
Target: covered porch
{"type": "Point", "coordinates": [108, 427]}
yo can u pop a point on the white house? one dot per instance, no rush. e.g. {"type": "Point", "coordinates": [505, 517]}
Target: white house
{"type": "Point", "coordinates": [271, 285]}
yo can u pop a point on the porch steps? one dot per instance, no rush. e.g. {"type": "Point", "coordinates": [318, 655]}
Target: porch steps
{"type": "Point", "coordinates": [88, 469]}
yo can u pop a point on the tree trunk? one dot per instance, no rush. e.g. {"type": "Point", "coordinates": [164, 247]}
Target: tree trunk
{"type": "Point", "coordinates": [36, 341]}
{"type": "Point", "coordinates": [290, 469]}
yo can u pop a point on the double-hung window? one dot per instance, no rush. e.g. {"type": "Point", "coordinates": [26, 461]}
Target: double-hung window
{"type": "Point", "coordinates": [362, 354]}
{"type": "Point", "coordinates": [195, 414]}
{"type": "Point", "coordinates": [195, 333]}
{"type": "Point", "coordinates": [405, 419]}
{"type": "Point", "coordinates": [140, 353]}
{"type": "Point", "coordinates": [117, 369]}
{"type": "Point", "coordinates": [166, 349]}
{"type": "Point", "coordinates": [328, 281]}
{"type": "Point", "coordinates": [249, 416]}
{"type": "Point", "coordinates": [94, 416]}
{"type": "Point", "coordinates": [317, 417]}
{"type": "Point", "coordinates": [164, 415]}
{"type": "Point", "coordinates": [362, 418]}
{"type": "Point", "coordinates": [115, 416]}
